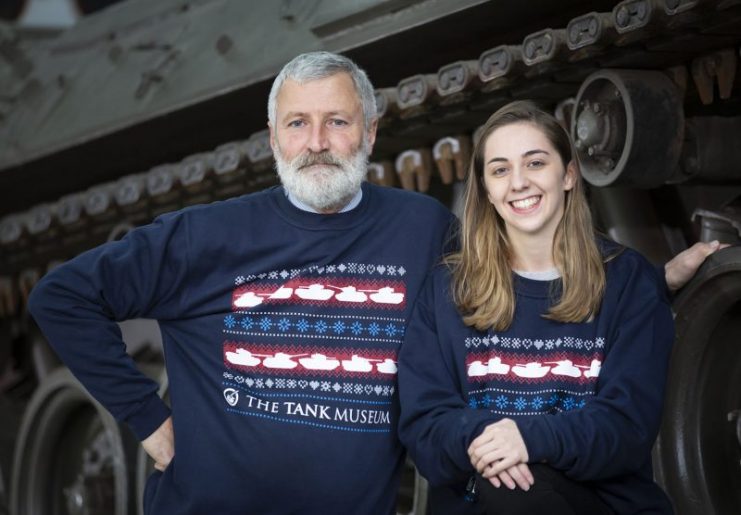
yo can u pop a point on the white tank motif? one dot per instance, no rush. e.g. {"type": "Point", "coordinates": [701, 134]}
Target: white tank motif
{"type": "Point", "coordinates": [387, 295]}
{"type": "Point", "coordinates": [248, 300]}
{"type": "Point", "coordinates": [242, 357]}
{"type": "Point", "coordinates": [594, 368]}
{"type": "Point", "coordinates": [477, 368]}
{"type": "Point", "coordinates": [565, 368]}
{"type": "Point", "coordinates": [357, 364]}
{"type": "Point", "coordinates": [319, 362]}
{"type": "Point", "coordinates": [351, 294]}
{"type": "Point", "coordinates": [387, 367]}
{"type": "Point", "coordinates": [314, 292]}
{"type": "Point", "coordinates": [281, 293]}
{"type": "Point", "coordinates": [533, 369]}
{"type": "Point", "coordinates": [281, 360]}
{"type": "Point", "coordinates": [495, 366]}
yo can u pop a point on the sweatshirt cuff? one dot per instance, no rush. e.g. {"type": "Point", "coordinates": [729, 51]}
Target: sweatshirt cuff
{"type": "Point", "coordinates": [537, 437]}
{"type": "Point", "coordinates": [148, 417]}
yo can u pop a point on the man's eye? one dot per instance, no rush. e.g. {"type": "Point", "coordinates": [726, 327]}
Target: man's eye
{"type": "Point", "coordinates": [296, 123]}
{"type": "Point", "coordinates": [337, 122]}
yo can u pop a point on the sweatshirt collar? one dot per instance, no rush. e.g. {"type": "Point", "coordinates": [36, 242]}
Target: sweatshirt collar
{"type": "Point", "coordinates": [305, 207]}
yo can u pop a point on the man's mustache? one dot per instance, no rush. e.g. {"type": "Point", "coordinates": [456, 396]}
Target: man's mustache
{"type": "Point", "coordinates": [318, 158]}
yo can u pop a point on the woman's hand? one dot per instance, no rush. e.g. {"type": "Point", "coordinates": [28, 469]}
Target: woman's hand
{"type": "Point", "coordinates": [517, 475]}
{"type": "Point", "coordinates": [498, 449]}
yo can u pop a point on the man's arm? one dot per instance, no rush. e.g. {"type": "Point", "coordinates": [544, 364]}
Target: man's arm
{"type": "Point", "coordinates": [160, 445]}
{"type": "Point", "coordinates": [78, 304]}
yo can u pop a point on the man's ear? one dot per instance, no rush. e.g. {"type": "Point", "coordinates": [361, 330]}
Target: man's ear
{"type": "Point", "coordinates": [371, 134]}
{"type": "Point", "coordinates": [272, 136]}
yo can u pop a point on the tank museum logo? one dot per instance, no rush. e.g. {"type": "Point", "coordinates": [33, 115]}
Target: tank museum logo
{"type": "Point", "coordinates": [327, 413]}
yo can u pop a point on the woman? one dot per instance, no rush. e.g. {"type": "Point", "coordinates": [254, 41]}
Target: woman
{"type": "Point", "coordinates": [535, 361]}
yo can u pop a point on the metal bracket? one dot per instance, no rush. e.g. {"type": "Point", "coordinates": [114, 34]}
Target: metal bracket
{"type": "Point", "coordinates": [720, 65]}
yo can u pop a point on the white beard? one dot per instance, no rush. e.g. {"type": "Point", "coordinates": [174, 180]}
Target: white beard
{"type": "Point", "coordinates": [330, 184]}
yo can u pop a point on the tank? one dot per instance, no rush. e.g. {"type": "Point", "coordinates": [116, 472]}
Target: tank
{"type": "Point", "coordinates": [146, 107]}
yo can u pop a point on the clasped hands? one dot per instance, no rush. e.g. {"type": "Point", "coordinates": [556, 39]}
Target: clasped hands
{"type": "Point", "coordinates": [499, 454]}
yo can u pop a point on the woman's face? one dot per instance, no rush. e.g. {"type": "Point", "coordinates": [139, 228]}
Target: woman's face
{"type": "Point", "coordinates": [526, 181]}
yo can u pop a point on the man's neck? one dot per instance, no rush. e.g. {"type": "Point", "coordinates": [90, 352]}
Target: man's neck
{"type": "Point", "coordinates": [346, 205]}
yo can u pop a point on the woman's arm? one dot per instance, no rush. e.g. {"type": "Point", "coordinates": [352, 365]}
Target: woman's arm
{"type": "Point", "coordinates": [436, 424]}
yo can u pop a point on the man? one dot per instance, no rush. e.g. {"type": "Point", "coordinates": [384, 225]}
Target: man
{"type": "Point", "coordinates": [281, 314]}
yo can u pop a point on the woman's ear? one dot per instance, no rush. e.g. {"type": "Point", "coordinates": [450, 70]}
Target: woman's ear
{"type": "Point", "coordinates": [572, 175]}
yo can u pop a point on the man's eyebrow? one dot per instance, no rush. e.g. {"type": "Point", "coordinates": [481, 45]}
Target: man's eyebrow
{"type": "Point", "coordinates": [299, 114]}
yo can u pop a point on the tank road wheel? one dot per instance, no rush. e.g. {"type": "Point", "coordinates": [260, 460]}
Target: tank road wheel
{"type": "Point", "coordinates": [698, 455]}
{"type": "Point", "coordinates": [71, 457]}
{"type": "Point", "coordinates": [627, 127]}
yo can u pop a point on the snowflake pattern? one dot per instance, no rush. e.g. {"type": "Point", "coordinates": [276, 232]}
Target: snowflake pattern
{"type": "Point", "coordinates": [303, 325]}
{"type": "Point", "coordinates": [356, 328]}
{"type": "Point", "coordinates": [229, 321]}
{"type": "Point", "coordinates": [390, 330]}
{"type": "Point", "coordinates": [284, 324]}
{"type": "Point", "coordinates": [320, 326]}
{"type": "Point", "coordinates": [265, 324]}
{"type": "Point", "coordinates": [514, 403]}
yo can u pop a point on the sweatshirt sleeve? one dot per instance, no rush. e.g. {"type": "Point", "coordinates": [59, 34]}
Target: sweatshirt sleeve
{"type": "Point", "coordinates": [436, 424]}
{"type": "Point", "coordinates": [614, 433]}
{"type": "Point", "coordinates": [77, 305]}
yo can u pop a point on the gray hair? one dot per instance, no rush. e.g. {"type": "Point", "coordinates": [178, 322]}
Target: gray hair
{"type": "Point", "coordinates": [318, 65]}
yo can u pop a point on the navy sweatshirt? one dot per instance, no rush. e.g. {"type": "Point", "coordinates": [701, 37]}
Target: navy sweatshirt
{"type": "Point", "coordinates": [280, 330]}
{"type": "Point", "coordinates": [586, 397]}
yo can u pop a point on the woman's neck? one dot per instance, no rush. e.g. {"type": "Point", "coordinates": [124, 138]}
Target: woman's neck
{"type": "Point", "coordinates": [532, 254]}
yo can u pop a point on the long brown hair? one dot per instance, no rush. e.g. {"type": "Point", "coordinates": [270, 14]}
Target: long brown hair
{"type": "Point", "coordinates": [482, 269]}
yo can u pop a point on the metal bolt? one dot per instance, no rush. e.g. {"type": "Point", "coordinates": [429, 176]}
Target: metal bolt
{"type": "Point", "coordinates": [224, 44]}
{"type": "Point", "coordinates": [530, 49]}
{"type": "Point", "coordinates": [622, 17]}
{"type": "Point", "coordinates": [574, 34]}
{"type": "Point", "coordinates": [591, 150]}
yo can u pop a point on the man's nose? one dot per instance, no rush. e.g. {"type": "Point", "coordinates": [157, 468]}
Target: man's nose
{"type": "Point", "coordinates": [318, 141]}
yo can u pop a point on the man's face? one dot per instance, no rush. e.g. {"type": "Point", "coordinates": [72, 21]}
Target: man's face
{"type": "Point", "coordinates": [319, 141]}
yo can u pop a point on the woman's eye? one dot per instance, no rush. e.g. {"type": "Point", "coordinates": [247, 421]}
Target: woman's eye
{"type": "Point", "coordinates": [536, 163]}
